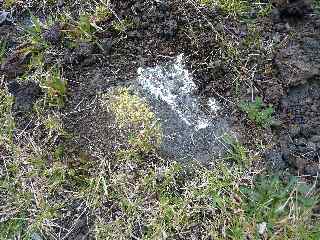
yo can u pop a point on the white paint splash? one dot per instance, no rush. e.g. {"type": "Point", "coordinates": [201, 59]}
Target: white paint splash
{"type": "Point", "coordinates": [190, 129]}
{"type": "Point", "coordinates": [174, 86]}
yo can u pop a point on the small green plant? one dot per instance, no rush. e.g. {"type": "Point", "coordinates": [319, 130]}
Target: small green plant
{"type": "Point", "coordinates": [123, 25]}
{"type": "Point", "coordinates": [6, 120]}
{"type": "Point", "coordinates": [231, 7]}
{"type": "Point", "coordinates": [3, 48]}
{"type": "Point", "coordinates": [35, 37]}
{"type": "Point", "coordinates": [83, 29]}
{"type": "Point", "coordinates": [9, 3]}
{"type": "Point", "coordinates": [257, 112]}
{"type": "Point", "coordinates": [316, 5]}
{"type": "Point", "coordinates": [265, 10]}
{"type": "Point", "coordinates": [285, 208]}
{"type": "Point", "coordinates": [55, 87]}
{"type": "Point", "coordinates": [102, 13]}
{"type": "Point", "coordinates": [236, 152]}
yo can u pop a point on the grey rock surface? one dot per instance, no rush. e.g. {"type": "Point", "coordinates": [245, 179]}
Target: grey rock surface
{"type": "Point", "coordinates": [192, 129]}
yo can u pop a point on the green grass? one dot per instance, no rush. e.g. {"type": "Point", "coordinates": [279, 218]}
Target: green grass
{"type": "Point", "coordinates": [285, 207]}
{"type": "Point", "coordinates": [230, 7]}
{"type": "Point", "coordinates": [3, 48]}
{"type": "Point", "coordinates": [236, 152]}
{"type": "Point", "coordinates": [6, 120]}
{"type": "Point", "coordinates": [257, 112]}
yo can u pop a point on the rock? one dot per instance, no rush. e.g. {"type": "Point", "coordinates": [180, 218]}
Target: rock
{"type": "Point", "coordinates": [36, 236]}
{"type": "Point", "coordinates": [134, 35]}
{"type": "Point", "coordinates": [25, 95]}
{"type": "Point", "coordinates": [262, 227]}
{"type": "Point", "coordinates": [315, 139]}
{"type": "Point", "coordinates": [311, 146]}
{"type": "Point", "coordinates": [312, 170]}
{"type": "Point", "coordinates": [276, 124]}
{"type": "Point", "coordinates": [297, 162]}
{"type": "Point", "coordinates": [106, 45]}
{"type": "Point", "coordinates": [5, 18]}
{"type": "Point", "coordinates": [16, 64]}
{"type": "Point", "coordinates": [294, 131]}
{"type": "Point", "coordinates": [53, 34]}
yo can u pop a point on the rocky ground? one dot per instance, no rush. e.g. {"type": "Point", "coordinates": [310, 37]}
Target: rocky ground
{"type": "Point", "coordinates": [81, 131]}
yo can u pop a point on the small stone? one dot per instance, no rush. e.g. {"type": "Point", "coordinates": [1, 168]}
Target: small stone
{"type": "Point", "coordinates": [297, 162]}
{"type": "Point", "coordinates": [106, 45]}
{"type": "Point", "coordinates": [295, 131]}
{"type": "Point", "coordinates": [53, 34]}
{"type": "Point", "coordinates": [315, 138]}
{"type": "Point", "coordinates": [312, 170]}
{"type": "Point", "coordinates": [36, 236]}
{"type": "Point", "coordinates": [276, 124]}
{"type": "Point", "coordinates": [134, 35]}
{"type": "Point", "coordinates": [300, 142]}
{"type": "Point", "coordinates": [262, 227]}
{"type": "Point", "coordinates": [311, 146]}
{"type": "Point", "coordinates": [5, 18]}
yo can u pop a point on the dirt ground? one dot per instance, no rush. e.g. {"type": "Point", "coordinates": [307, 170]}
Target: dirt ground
{"type": "Point", "coordinates": [277, 58]}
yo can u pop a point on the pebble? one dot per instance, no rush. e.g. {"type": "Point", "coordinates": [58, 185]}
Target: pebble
{"type": "Point", "coordinates": [315, 138]}
{"type": "Point", "coordinates": [311, 146]}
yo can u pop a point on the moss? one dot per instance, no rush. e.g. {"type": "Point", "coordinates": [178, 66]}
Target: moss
{"type": "Point", "coordinates": [134, 115]}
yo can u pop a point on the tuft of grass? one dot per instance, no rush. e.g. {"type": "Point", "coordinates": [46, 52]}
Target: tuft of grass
{"type": "Point", "coordinates": [102, 13]}
{"type": "Point", "coordinates": [122, 25]}
{"type": "Point", "coordinates": [3, 48]}
{"type": "Point", "coordinates": [7, 4]}
{"type": "Point", "coordinates": [237, 152]}
{"type": "Point", "coordinates": [230, 7]}
{"type": "Point", "coordinates": [6, 120]}
{"type": "Point", "coordinates": [284, 207]}
{"type": "Point", "coordinates": [257, 112]}
{"type": "Point", "coordinates": [55, 87]}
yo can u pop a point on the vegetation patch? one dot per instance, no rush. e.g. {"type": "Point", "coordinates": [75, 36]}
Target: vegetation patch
{"type": "Point", "coordinates": [257, 112]}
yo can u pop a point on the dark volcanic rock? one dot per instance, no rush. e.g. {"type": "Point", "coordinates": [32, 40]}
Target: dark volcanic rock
{"type": "Point", "coordinates": [25, 95]}
{"type": "Point", "coordinates": [292, 8]}
{"type": "Point", "coordinates": [53, 34]}
{"type": "Point", "coordinates": [15, 64]}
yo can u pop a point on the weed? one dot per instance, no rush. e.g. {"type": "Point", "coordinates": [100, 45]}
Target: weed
{"type": "Point", "coordinates": [9, 3]}
{"type": "Point", "coordinates": [55, 87]}
{"type": "Point", "coordinates": [102, 13]}
{"type": "Point", "coordinates": [237, 152]}
{"type": "Point", "coordinates": [6, 119]}
{"type": "Point", "coordinates": [285, 208]}
{"type": "Point", "coordinates": [257, 112]}
{"type": "Point", "coordinates": [3, 48]}
{"type": "Point", "coordinates": [316, 5]}
{"type": "Point", "coordinates": [123, 25]}
{"type": "Point", "coordinates": [231, 7]}
{"type": "Point", "coordinates": [265, 10]}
